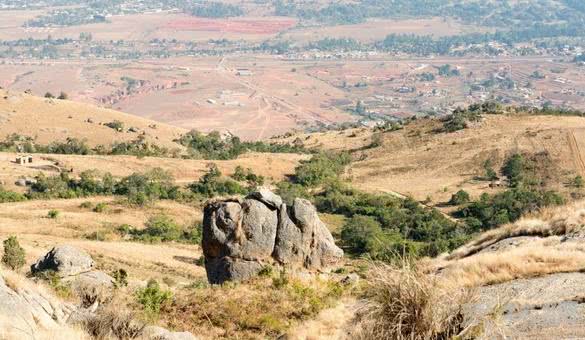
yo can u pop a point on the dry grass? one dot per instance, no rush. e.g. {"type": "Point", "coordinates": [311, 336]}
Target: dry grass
{"type": "Point", "coordinates": [114, 322]}
{"type": "Point", "coordinates": [557, 221]}
{"type": "Point", "coordinates": [407, 303]}
{"type": "Point", "coordinates": [46, 330]}
{"type": "Point", "coordinates": [255, 310]}
{"type": "Point", "coordinates": [419, 162]}
{"type": "Point", "coordinates": [524, 262]}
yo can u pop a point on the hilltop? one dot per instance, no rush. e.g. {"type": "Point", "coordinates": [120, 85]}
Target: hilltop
{"type": "Point", "coordinates": [51, 119]}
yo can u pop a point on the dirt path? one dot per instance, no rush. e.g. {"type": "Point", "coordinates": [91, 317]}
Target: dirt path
{"type": "Point", "coordinates": [330, 324]}
{"type": "Point", "coordinates": [576, 152]}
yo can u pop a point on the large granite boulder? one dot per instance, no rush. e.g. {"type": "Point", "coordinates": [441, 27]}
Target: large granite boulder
{"type": "Point", "coordinates": [65, 261]}
{"type": "Point", "coordinates": [28, 312]}
{"type": "Point", "coordinates": [240, 236]}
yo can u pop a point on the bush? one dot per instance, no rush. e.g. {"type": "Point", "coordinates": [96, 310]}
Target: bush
{"type": "Point", "coordinates": [459, 198]}
{"type": "Point", "coordinates": [492, 211]}
{"type": "Point", "coordinates": [212, 184]}
{"type": "Point", "coordinates": [14, 256]}
{"type": "Point", "coordinates": [144, 188]}
{"type": "Point", "coordinates": [514, 169]}
{"type": "Point", "coordinates": [63, 96]}
{"type": "Point", "coordinates": [407, 226]}
{"type": "Point", "coordinates": [86, 205]}
{"type": "Point", "coordinates": [152, 298]}
{"type": "Point", "coordinates": [321, 168]}
{"type": "Point", "coordinates": [100, 207]}
{"type": "Point", "coordinates": [577, 182]}
{"type": "Point", "coordinates": [116, 125]}
{"type": "Point", "coordinates": [162, 227]}
{"type": "Point", "coordinates": [10, 196]}
{"type": "Point", "coordinates": [53, 213]}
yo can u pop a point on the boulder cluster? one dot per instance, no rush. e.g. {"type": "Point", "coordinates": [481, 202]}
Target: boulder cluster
{"type": "Point", "coordinates": [241, 236]}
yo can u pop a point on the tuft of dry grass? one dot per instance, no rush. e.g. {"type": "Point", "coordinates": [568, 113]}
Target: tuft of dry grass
{"type": "Point", "coordinates": [524, 262]}
{"type": "Point", "coordinates": [407, 303]}
{"type": "Point", "coordinates": [114, 322]}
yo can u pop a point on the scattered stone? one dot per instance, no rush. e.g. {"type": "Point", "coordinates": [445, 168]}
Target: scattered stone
{"type": "Point", "coordinates": [241, 236]}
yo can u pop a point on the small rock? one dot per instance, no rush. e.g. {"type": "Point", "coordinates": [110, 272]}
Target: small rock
{"type": "Point", "coordinates": [350, 279]}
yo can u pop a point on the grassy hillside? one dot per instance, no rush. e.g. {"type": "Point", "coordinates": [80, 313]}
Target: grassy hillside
{"type": "Point", "coordinates": [50, 119]}
{"type": "Point", "coordinates": [423, 162]}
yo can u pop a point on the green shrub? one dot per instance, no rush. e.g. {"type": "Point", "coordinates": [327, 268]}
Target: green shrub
{"type": "Point", "coordinates": [266, 271]}
{"type": "Point", "coordinates": [212, 184]}
{"type": "Point", "coordinates": [514, 169]}
{"type": "Point", "coordinates": [505, 207]}
{"type": "Point", "coordinates": [53, 213]}
{"type": "Point", "coordinates": [120, 278]}
{"type": "Point", "coordinates": [459, 198]}
{"type": "Point", "coordinates": [321, 168]}
{"type": "Point", "coordinates": [10, 196]}
{"type": "Point", "coordinates": [395, 226]}
{"type": "Point", "coordinates": [144, 188]}
{"type": "Point", "coordinates": [86, 205]}
{"type": "Point", "coordinates": [577, 182]}
{"type": "Point", "coordinates": [152, 298]}
{"type": "Point", "coordinates": [162, 227]}
{"type": "Point", "coordinates": [100, 207]}
{"type": "Point", "coordinates": [14, 256]}
{"type": "Point", "coordinates": [63, 290]}
{"type": "Point", "coordinates": [116, 125]}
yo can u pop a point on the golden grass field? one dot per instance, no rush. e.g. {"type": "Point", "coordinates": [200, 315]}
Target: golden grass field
{"type": "Point", "coordinates": [76, 225]}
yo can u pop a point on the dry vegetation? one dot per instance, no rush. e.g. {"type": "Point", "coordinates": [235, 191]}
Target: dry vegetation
{"type": "Point", "coordinates": [54, 119]}
{"type": "Point", "coordinates": [419, 162]}
{"type": "Point", "coordinates": [407, 303]}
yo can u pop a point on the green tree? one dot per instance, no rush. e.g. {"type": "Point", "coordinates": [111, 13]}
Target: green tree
{"type": "Point", "coordinates": [514, 169]}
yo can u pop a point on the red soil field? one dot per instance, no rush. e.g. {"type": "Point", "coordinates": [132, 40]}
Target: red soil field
{"type": "Point", "coordinates": [232, 25]}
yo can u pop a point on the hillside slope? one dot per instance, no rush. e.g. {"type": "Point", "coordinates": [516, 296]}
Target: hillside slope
{"type": "Point", "coordinates": [422, 162]}
{"type": "Point", "coordinates": [55, 120]}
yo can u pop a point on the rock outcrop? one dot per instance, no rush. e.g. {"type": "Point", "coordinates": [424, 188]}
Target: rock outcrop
{"type": "Point", "coordinates": [28, 312]}
{"type": "Point", "coordinates": [65, 261]}
{"type": "Point", "coordinates": [240, 236]}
